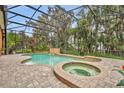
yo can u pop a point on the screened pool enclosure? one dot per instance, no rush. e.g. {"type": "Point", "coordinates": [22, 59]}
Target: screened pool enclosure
{"type": "Point", "coordinates": [79, 30]}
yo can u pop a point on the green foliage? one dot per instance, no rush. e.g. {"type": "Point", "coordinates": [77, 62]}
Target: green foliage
{"type": "Point", "coordinates": [121, 47]}
{"type": "Point", "coordinates": [74, 30]}
{"type": "Point", "coordinates": [94, 29]}
{"type": "Point", "coordinates": [73, 52]}
{"type": "Point", "coordinates": [121, 83]}
{"type": "Point", "coordinates": [121, 71]}
{"type": "Point", "coordinates": [11, 39]}
{"type": "Point", "coordinates": [41, 47]}
{"type": "Point", "coordinates": [107, 55]}
{"type": "Point", "coordinates": [24, 51]}
{"type": "Point", "coordinates": [76, 52]}
{"type": "Point", "coordinates": [82, 22]}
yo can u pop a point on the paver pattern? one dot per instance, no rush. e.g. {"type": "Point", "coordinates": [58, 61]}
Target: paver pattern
{"type": "Point", "coordinates": [16, 75]}
{"type": "Point", "coordinates": [106, 78]}
{"type": "Point", "coordinates": [13, 74]}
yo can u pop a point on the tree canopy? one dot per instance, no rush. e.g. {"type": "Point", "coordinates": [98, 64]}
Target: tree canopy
{"type": "Point", "coordinates": [98, 28]}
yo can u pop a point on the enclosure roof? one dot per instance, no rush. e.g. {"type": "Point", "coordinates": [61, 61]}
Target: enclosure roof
{"type": "Point", "coordinates": [19, 16]}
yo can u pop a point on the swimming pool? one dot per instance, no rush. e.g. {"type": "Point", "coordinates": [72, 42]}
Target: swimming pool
{"type": "Point", "coordinates": [49, 59]}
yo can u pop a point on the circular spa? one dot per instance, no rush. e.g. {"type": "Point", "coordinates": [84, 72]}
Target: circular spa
{"type": "Point", "coordinates": [81, 69]}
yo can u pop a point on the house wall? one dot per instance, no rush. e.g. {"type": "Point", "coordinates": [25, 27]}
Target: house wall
{"type": "Point", "coordinates": [2, 27]}
{"type": "Point", "coordinates": [0, 41]}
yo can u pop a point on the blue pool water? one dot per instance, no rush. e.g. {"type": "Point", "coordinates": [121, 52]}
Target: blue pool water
{"type": "Point", "coordinates": [50, 59]}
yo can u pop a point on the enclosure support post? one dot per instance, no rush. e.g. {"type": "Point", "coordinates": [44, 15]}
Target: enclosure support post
{"type": "Point", "coordinates": [3, 30]}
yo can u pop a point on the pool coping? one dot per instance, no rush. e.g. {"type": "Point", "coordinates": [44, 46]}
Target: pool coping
{"type": "Point", "coordinates": [89, 82]}
{"type": "Point", "coordinates": [11, 64]}
{"type": "Point", "coordinates": [66, 55]}
{"type": "Point", "coordinates": [25, 58]}
{"type": "Point", "coordinates": [68, 80]}
{"type": "Point", "coordinates": [75, 80]}
{"type": "Point", "coordinates": [82, 57]}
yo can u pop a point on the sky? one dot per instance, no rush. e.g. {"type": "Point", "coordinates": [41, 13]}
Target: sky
{"type": "Point", "coordinates": [29, 12]}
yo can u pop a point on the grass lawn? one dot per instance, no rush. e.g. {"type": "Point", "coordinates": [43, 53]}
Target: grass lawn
{"type": "Point", "coordinates": [98, 54]}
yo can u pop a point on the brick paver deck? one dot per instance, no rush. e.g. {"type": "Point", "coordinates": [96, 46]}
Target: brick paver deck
{"type": "Point", "coordinates": [16, 75]}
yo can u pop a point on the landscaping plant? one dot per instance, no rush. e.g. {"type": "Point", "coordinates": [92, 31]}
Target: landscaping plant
{"type": "Point", "coordinates": [121, 71]}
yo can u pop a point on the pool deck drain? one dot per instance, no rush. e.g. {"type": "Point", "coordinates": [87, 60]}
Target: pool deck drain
{"type": "Point", "coordinates": [15, 75]}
